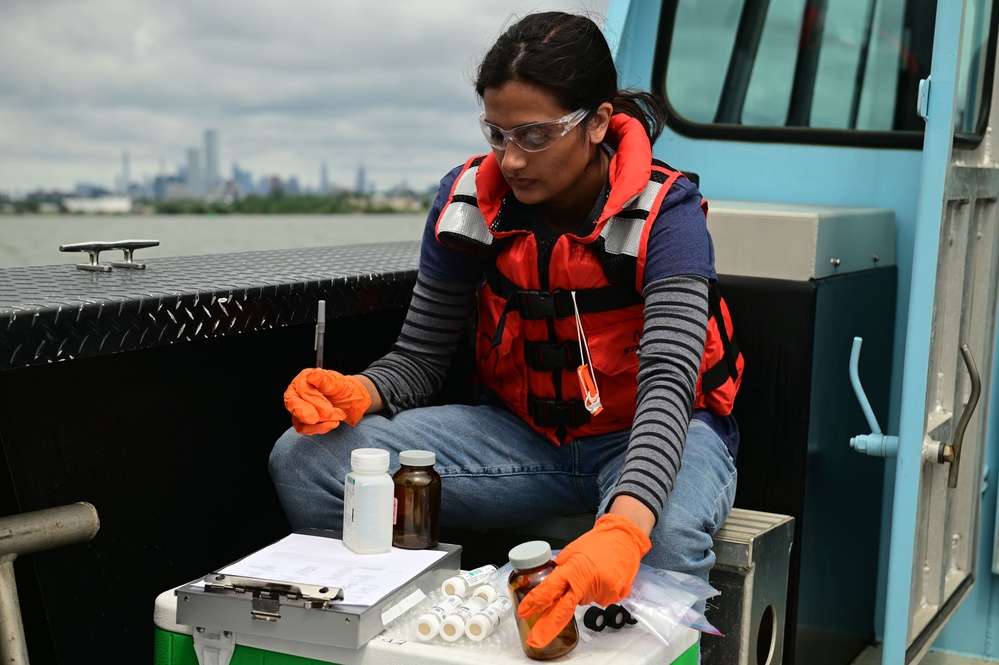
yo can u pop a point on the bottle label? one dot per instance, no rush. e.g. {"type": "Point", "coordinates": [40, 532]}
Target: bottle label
{"type": "Point", "coordinates": [447, 607]}
{"type": "Point", "coordinates": [472, 606]}
{"type": "Point", "coordinates": [496, 610]}
{"type": "Point", "coordinates": [478, 575]}
{"type": "Point", "coordinates": [349, 500]}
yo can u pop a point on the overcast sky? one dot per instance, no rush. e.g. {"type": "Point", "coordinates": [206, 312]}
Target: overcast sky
{"type": "Point", "coordinates": [286, 84]}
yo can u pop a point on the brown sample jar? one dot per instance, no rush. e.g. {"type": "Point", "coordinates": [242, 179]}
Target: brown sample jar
{"type": "Point", "coordinates": [532, 563]}
{"type": "Point", "coordinates": [417, 501]}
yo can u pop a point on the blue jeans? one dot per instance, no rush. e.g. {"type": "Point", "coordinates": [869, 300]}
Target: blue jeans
{"type": "Point", "coordinates": [498, 472]}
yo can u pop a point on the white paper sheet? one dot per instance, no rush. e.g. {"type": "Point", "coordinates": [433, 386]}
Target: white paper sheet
{"type": "Point", "coordinates": [364, 578]}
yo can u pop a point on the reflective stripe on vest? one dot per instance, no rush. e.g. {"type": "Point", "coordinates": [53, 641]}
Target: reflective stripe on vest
{"type": "Point", "coordinates": [462, 216]}
{"type": "Point", "coordinates": [622, 233]}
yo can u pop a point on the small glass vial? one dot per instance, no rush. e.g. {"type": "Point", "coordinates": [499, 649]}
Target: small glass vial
{"type": "Point", "coordinates": [367, 502]}
{"type": "Point", "coordinates": [532, 563]}
{"type": "Point", "coordinates": [417, 523]}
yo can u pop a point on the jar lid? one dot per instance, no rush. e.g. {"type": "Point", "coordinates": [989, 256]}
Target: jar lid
{"type": "Point", "coordinates": [530, 554]}
{"type": "Point", "coordinates": [369, 460]}
{"type": "Point", "coordinates": [417, 458]}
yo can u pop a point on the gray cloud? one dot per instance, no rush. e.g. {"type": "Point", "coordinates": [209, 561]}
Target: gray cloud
{"type": "Point", "coordinates": [286, 84]}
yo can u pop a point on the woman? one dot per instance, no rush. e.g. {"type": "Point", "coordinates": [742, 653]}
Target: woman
{"type": "Point", "coordinates": [605, 362]}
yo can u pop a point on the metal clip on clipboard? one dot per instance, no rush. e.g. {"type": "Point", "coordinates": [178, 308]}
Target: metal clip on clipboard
{"type": "Point", "coordinates": [269, 595]}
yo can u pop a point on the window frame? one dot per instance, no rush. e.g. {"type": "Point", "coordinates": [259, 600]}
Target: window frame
{"type": "Point", "coordinates": [911, 140]}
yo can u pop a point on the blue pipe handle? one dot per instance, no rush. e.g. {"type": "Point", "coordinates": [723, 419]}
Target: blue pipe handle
{"type": "Point", "coordinates": [875, 443]}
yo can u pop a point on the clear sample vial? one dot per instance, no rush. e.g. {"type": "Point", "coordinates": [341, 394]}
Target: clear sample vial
{"type": "Point", "coordinates": [453, 625]}
{"type": "Point", "coordinates": [367, 502]}
{"type": "Point", "coordinates": [417, 522]}
{"type": "Point", "coordinates": [532, 563]}
{"type": "Point", "coordinates": [461, 584]}
{"type": "Point", "coordinates": [429, 623]}
{"type": "Point", "coordinates": [482, 624]}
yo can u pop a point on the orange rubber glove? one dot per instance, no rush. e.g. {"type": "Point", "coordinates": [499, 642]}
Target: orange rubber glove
{"type": "Point", "coordinates": [598, 567]}
{"type": "Point", "coordinates": [319, 399]}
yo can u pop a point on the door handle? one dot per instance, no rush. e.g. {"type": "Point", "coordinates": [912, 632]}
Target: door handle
{"type": "Point", "coordinates": [952, 453]}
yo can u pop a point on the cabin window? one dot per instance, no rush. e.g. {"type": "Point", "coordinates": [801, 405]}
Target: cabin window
{"type": "Point", "coordinates": [977, 68]}
{"type": "Point", "coordinates": [831, 71]}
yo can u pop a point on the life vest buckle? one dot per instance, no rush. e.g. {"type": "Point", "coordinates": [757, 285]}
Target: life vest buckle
{"type": "Point", "coordinates": [535, 305]}
{"type": "Point", "coordinates": [557, 413]}
{"type": "Point", "coordinates": [549, 357]}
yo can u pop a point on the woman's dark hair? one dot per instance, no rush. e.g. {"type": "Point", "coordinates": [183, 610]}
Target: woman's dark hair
{"type": "Point", "coordinates": [567, 56]}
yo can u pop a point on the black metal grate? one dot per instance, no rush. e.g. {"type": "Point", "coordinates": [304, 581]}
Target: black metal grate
{"type": "Point", "coordinates": [55, 313]}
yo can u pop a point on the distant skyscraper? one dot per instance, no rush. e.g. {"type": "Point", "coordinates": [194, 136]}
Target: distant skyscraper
{"type": "Point", "coordinates": [125, 178]}
{"type": "Point", "coordinates": [211, 162]}
{"type": "Point", "coordinates": [244, 179]}
{"type": "Point", "coordinates": [324, 179]}
{"type": "Point", "coordinates": [360, 186]}
{"type": "Point", "coordinates": [195, 175]}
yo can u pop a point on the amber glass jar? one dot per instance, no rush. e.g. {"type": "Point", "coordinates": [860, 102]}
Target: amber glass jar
{"type": "Point", "coordinates": [532, 563]}
{"type": "Point", "coordinates": [417, 501]}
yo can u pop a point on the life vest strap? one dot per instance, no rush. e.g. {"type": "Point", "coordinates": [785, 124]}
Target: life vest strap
{"type": "Point", "coordinates": [727, 368]}
{"type": "Point", "coordinates": [557, 413]}
{"type": "Point", "coordinates": [535, 304]}
{"type": "Point", "coordinates": [715, 376]}
{"type": "Point", "coordinates": [558, 304]}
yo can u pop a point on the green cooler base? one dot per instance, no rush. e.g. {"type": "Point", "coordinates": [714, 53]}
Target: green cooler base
{"type": "Point", "coordinates": [177, 649]}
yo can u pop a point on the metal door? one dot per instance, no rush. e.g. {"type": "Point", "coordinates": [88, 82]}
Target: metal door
{"type": "Point", "coordinates": [952, 304]}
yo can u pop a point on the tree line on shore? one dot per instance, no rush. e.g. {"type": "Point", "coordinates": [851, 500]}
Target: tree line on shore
{"type": "Point", "coordinates": [286, 205]}
{"type": "Point", "coordinates": [254, 204]}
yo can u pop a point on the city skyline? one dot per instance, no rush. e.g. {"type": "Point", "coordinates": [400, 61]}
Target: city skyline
{"type": "Point", "coordinates": [288, 88]}
{"type": "Point", "coordinates": [196, 169]}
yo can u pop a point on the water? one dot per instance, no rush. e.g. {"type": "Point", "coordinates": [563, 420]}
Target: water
{"type": "Point", "coordinates": [27, 240]}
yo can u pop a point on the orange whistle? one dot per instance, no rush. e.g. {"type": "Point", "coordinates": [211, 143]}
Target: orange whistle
{"type": "Point", "coordinates": [591, 396]}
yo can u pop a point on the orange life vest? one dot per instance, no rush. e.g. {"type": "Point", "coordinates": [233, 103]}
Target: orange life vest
{"type": "Point", "coordinates": [527, 345]}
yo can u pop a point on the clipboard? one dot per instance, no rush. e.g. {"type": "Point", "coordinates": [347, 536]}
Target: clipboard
{"type": "Point", "coordinates": [301, 611]}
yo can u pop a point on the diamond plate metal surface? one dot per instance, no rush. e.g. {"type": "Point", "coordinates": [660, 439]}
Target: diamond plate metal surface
{"type": "Point", "coordinates": [56, 313]}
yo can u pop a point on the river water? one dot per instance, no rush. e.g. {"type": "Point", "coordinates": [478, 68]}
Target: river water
{"type": "Point", "coordinates": [27, 240]}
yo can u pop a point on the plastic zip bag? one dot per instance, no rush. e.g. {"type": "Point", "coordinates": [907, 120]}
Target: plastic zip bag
{"type": "Point", "coordinates": [661, 600]}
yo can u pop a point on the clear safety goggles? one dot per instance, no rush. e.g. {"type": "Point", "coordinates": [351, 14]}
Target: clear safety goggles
{"type": "Point", "coordinates": [534, 137]}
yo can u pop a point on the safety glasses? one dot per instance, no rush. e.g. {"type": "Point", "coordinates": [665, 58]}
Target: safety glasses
{"type": "Point", "coordinates": [534, 137]}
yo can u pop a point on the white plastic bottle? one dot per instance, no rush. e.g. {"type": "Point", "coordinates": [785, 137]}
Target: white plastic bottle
{"type": "Point", "coordinates": [453, 625]}
{"type": "Point", "coordinates": [486, 591]}
{"type": "Point", "coordinates": [429, 624]}
{"type": "Point", "coordinates": [367, 502]}
{"type": "Point", "coordinates": [482, 624]}
{"type": "Point", "coordinates": [463, 582]}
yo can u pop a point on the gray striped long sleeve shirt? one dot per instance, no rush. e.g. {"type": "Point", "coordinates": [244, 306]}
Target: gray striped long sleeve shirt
{"type": "Point", "coordinates": [676, 314]}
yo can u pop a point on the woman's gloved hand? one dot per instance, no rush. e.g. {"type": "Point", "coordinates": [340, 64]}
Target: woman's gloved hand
{"type": "Point", "coordinates": [319, 399]}
{"type": "Point", "coordinates": [598, 567]}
